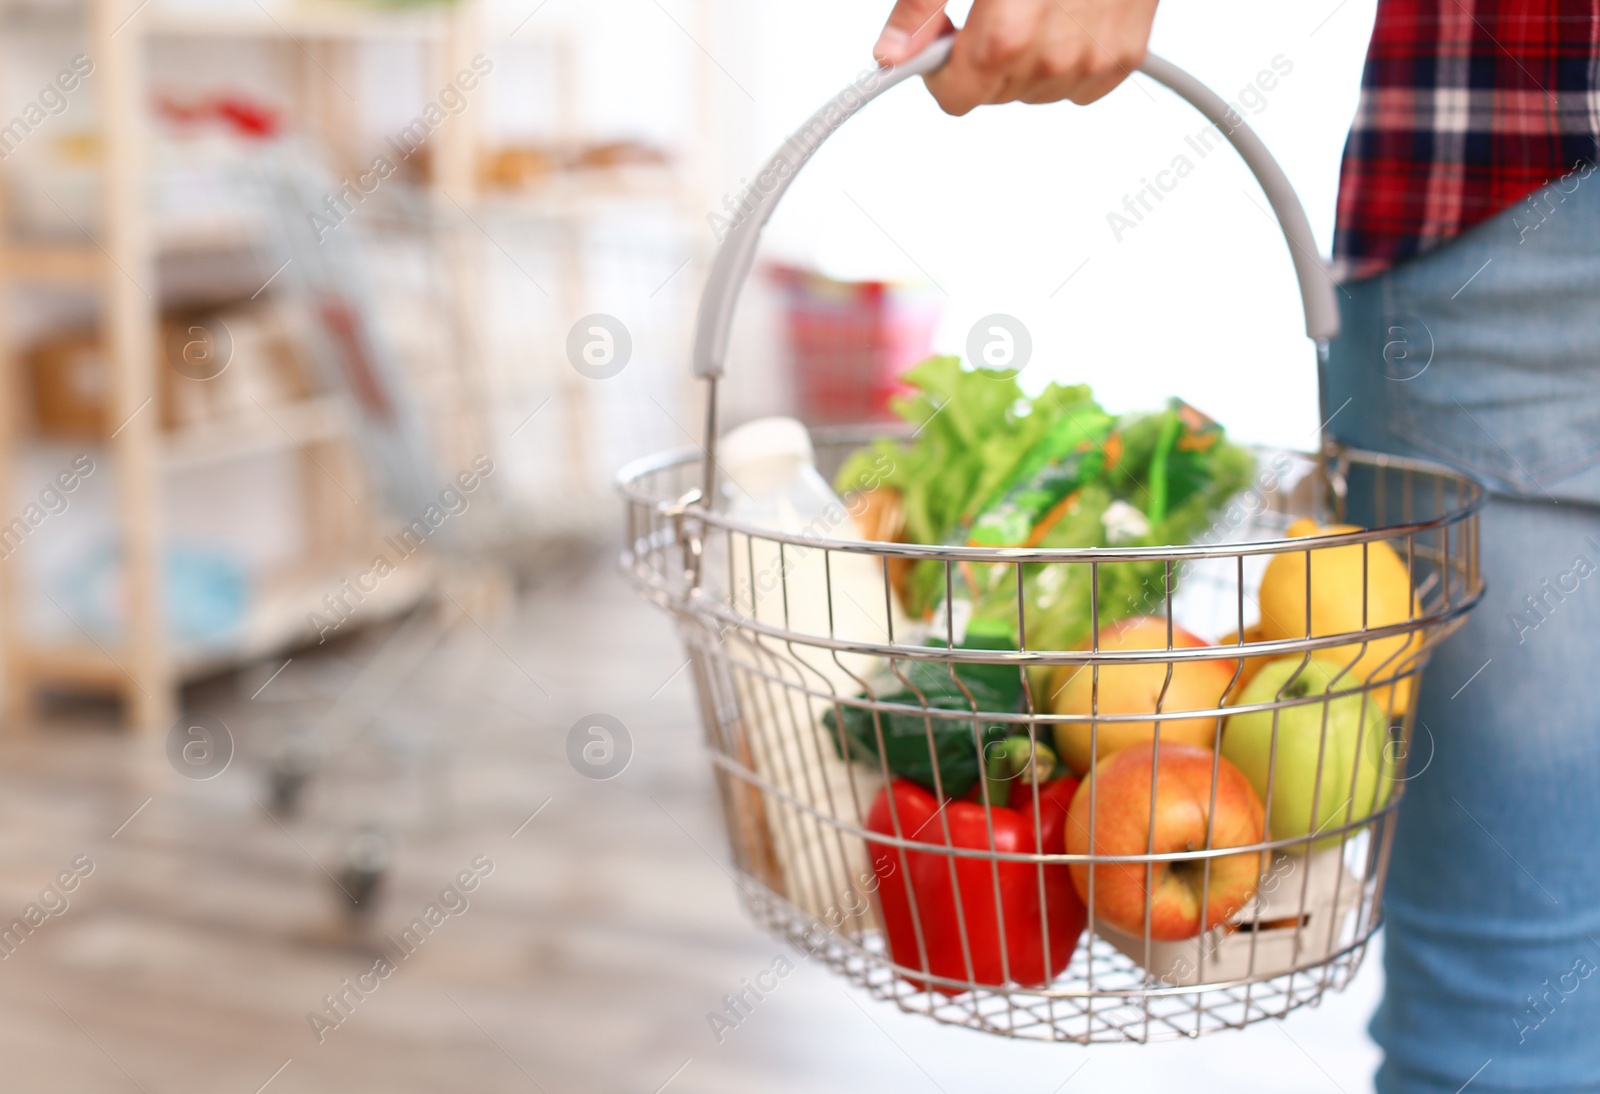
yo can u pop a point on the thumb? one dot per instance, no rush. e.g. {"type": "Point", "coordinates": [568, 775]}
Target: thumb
{"type": "Point", "coordinates": [912, 25]}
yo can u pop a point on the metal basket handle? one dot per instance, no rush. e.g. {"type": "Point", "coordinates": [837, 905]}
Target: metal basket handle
{"type": "Point", "coordinates": [737, 253]}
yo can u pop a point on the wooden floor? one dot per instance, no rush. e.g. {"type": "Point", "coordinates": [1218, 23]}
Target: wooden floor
{"type": "Point", "coordinates": [585, 963]}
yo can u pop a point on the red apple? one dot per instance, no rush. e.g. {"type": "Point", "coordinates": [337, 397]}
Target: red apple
{"type": "Point", "coordinates": [1138, 689]}
{"type": "Point", "coordinates": [1120, 789]}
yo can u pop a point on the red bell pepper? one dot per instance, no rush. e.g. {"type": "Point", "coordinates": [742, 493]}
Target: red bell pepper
{"type": "Point", "coordinates": [930, 901]}
{"type": "Point", "coordinates": [1057, 798]}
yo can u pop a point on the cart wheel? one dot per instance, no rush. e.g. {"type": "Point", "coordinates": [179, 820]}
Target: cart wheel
{"type": "Point", "coordinates": [366, 864]}
{"type": "Point", "coordinates": [290, 768]}
{"type": "Point", "coordinates": [287, 786]}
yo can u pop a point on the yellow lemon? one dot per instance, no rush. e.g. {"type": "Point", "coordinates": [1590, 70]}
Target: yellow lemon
{"type": "Point", "coordinates": [1337, 574]}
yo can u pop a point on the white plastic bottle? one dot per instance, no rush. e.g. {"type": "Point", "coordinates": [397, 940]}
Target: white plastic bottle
{"type": "Point", "coordinates": [770, 481]}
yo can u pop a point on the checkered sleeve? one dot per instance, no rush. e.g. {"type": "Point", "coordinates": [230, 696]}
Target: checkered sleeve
{"type": "Point", "coordinates": [1467, 107]}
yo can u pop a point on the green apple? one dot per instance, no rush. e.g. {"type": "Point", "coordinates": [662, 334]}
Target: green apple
{"type": "Point", "coordinates": [1313, 730]}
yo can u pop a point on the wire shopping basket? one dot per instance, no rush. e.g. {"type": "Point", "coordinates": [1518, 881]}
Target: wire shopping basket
{"type": "Point", "coordinates": [1217, 856]}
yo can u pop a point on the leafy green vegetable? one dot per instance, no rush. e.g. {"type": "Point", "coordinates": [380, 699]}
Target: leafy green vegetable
{"type": "Point", "coordinates": [1170, 456]}
{"type": "Point", "coordinates": [983, 462]}
{"type": "Point", "coordinates": [1074, 453]}
{"type": "Point", "coordinates": [975, 429]}
{"type": "Point", "coordinates": [959, 734]}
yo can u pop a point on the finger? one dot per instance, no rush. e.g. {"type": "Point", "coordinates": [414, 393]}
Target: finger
{"type": "Point", "coordinates": [1097, 88]}
{"type": "Point", "coordinates": [1072, 70]}
{"type": "Point", "coordinates": [1106, 70]}
{"type": "Point", "coordinates": [1059, 63]}
{"type": "Point", "coordinates": [912, 25]}
{"type": "Point", "coordinates": [1113, 58]}
{"type": "Point", "coordinates": [962, 84]}
{"type": "Point", "coordinates": [995, 38]}
{"type": "Point", "coordinates": [1082, 71]}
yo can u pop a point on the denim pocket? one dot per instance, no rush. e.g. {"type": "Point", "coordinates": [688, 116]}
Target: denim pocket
{"type": "Point", "coordinates": [1500, 373]}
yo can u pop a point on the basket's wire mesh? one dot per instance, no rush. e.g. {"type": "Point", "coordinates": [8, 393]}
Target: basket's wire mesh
{"type": "Point", "coordinates": [1227, 857]}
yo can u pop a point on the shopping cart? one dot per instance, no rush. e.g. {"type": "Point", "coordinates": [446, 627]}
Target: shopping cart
{"type": "Point", "coordinates": [372, 746]}
{"type": "Point", "coordinates": [1268, 916]}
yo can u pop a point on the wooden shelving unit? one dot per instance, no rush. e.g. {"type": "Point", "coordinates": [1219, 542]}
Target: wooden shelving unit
{"type": "Point", "coordinates": [146, 667]}
{"type": "Point", "coordinates": [317, 41]}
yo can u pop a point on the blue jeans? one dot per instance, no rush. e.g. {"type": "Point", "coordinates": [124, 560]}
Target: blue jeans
{"type": "Point", "coordinates": [1485, 354]}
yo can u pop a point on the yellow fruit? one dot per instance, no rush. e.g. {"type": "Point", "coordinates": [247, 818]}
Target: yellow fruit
{"type": "Point", "coordinates": [1148, 688]}
{"type": "Point", "coordinates": [1336, 579]}
{"type": "Point", "coordinates": [1251, 666]}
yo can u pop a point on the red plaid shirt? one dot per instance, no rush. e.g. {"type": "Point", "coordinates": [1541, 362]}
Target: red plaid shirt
{"type": "Point", "coordinates": [1467, 106]}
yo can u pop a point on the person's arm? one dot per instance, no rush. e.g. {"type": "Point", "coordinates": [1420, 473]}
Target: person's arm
{"type": "Point", "coordinates": [1032, 51]}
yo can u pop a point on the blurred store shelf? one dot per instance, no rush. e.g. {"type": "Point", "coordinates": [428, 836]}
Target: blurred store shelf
{"type": "Point", "coordinates": [484, 250]}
